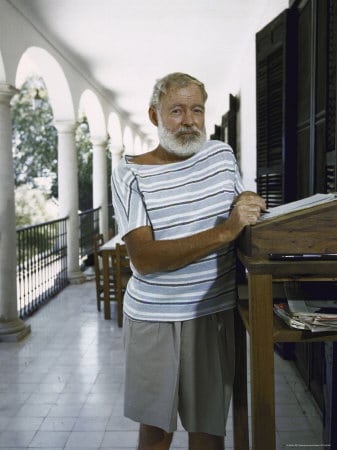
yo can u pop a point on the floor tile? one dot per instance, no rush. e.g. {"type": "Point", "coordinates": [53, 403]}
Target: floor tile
{"type": "Point", "coordinates": [50, 438]}
{"type": "Point", "coordinates": [16, 438]}
{"type": "Point", "coordinates": [120, 439]}
{"type": "Point", "coordinates": [65, 410]}
{"type": "Point", "coordinates": [80, 439]}
{"type": "Point", "coordinates": [62, 387]}
{"type": "Point", "coordinates": [91, 424]}
{"type": "Point", "coordinates": [58, 424]}
{"type": "Point", "coordinates": [24, 423]}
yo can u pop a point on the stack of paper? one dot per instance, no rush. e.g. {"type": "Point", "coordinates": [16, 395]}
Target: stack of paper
{"type": "Point", "coordinates": [297, 314]}
{"type": "Point", "coordinates": [308, 202]}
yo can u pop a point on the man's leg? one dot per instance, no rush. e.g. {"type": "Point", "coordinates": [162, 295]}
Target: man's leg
{"type": "Point", "coordinates": [203, 441]}
{"type": "Point", "coordinates": [153, 438]}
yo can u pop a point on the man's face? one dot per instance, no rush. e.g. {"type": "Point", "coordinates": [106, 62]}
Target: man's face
{"type": "Point", "coordinates": [181, 120]}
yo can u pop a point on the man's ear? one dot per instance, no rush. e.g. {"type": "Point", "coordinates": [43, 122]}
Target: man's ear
{"type": "Point", "coordinates": [153, 114]}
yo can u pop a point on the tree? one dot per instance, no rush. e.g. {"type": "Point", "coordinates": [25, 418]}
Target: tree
{"type": "Point", "coordinates": [35, 146]}
{"type": "Point", "coordinates": [33, 207]}
{"type": "Point", "coordinates": [34, 136]}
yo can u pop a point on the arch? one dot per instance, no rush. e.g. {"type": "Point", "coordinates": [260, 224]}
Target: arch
{"type": "Point", "coordinates": [37, 61]}
{"type": "Point", "coordinates": [128, 141]}
{"type": "Point", "coordinates": [92, 108]}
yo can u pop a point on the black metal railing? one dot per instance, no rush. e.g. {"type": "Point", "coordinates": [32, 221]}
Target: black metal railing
{"type": "Point", "coordinates": [41, 264]}
{"type": "Point", "coordinates": [42, 257]}
{"type": "Point", "coordinates": [89, 226]}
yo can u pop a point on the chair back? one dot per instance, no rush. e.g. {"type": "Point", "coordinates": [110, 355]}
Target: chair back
{"type": "Point", "coordinates": [98, 241]}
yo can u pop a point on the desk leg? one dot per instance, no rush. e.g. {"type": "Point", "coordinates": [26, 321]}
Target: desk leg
{"type": "Point", "coordinates": [105, 261]}
{"type": "Point", "coordinates": [240, 407]}
{"type": "Point", "coordinates": [330, 432]}
{"type": "Point", "coordinates": [262, 361]}
{"type": "Point", "coordinates": [333, 432]}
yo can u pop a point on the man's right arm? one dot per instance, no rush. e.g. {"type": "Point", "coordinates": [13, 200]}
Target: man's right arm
{"type": "Point", "coordinates": [149, 255]}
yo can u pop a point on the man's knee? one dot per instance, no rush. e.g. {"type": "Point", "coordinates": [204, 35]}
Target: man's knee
{"type": "Point", "coordinates": [151, 437]}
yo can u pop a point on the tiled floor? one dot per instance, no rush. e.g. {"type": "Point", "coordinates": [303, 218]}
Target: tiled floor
{"type": "Point", "coordinates": [62, 387]}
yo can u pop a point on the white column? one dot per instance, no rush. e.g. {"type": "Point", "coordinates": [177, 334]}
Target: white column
{"type": "Point", "coordinates": [116, 151]}
{"type": "Point", "coordinates": [12, 328]}
{"type": "Point", "coordinates": [68, 194]}
{"type": "Point", "coordinates": [100, 182]}
{"type": "Point", "coordinates": [116, 154]}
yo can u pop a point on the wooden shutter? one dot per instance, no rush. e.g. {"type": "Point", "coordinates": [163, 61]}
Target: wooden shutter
{"type": "Point", "coordinates": [228, 126]}
{"type": "Point", "coordinates": [316, 118]}
{"type": "Point", "coordinates": [275, 86]}
{"type": "Point", "coordinates": [331, 154]}
{"type": "Point", "coordinates": [217, 133]}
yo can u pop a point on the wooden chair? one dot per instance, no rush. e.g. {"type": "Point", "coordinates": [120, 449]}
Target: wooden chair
{"type": "Point", "coordinates": [98, 241]}
{"type": "Point", "coordinates": [122, 275]}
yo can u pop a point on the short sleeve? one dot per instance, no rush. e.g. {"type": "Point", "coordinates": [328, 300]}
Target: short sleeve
{"type": "Point", "coordinates": [129, 207]}
{"type": "Point", "coordinates": [237, 180]}
{"type": "Point", "coordinates": [239, 187]}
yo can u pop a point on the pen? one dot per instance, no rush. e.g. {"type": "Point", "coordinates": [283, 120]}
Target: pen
{"type": "Point", "coordinates": [303, 256]}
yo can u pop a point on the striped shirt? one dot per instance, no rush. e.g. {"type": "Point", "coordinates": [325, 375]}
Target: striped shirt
{"type": "Point", "coordinates": [178, 200]}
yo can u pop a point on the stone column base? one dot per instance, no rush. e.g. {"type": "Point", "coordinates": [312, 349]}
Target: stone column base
{"type": "Point", "coordinates": [76, 277]}
{"type": "Point", "coordinates": [13, 330]}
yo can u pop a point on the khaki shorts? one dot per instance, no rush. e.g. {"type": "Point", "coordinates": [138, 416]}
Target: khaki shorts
{"type": "Point", "coordinates": [185, 367]}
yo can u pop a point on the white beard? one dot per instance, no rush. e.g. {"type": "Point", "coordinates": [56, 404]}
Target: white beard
{"type": "Point", "coordinates": [179, 143]}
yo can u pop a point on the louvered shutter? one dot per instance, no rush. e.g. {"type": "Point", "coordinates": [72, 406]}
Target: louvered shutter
{"type": "Point", "coordinates": [275, 131]}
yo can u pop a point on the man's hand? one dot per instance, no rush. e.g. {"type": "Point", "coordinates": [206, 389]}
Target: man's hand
{"type": "Point", "coordinates": [247, 208]}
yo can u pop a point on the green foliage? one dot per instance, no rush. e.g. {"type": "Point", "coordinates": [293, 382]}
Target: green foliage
{"type": "Point", "coordinates": [33, 206]}
{"type": "Point", "coordinates": [34, 136]}
{"type": "Point", "coordinates": [35, 149]}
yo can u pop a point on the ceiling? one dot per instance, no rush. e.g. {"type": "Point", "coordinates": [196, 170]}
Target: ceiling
{"type": "Point", "coordinates": [125, 45]}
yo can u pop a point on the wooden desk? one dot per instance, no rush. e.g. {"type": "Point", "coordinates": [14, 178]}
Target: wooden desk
{"type": "Point", "coordinates": [264, 328]}
{"type": "Point", "coordinates": [107, 251]}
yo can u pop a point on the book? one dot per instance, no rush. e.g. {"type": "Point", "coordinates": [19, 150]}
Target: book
{"type": "Point", "coordinates": [297, 205]}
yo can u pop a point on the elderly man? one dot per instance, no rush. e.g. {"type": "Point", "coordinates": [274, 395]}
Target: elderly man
{"type": "Point", "coordinates": [179, 209]}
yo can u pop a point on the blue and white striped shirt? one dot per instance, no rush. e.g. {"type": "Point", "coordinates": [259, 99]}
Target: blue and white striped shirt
{"type": "Point", "coordinates": [177, 200]}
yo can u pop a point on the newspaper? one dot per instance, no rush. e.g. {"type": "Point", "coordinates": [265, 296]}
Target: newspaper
{"type": "Point", "coordinates": [321, 316]}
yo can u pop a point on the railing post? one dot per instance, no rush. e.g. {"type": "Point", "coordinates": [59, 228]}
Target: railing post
{"type": "Point", "coordinates": [11, 327]}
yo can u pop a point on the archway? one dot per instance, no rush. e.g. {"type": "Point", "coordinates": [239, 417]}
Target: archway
{"type": "Point", "coordinates": [36, 60]}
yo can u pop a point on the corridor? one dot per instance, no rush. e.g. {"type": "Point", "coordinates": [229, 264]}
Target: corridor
{"type": "Point", "coordinates": [62, 387]}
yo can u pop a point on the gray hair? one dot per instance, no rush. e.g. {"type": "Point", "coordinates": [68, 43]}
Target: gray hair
{"type": "Point", "coordinates": [176, 79]}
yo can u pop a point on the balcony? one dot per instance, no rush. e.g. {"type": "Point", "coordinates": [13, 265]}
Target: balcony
{"type": "Point", "coordinates": [62, 387]}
